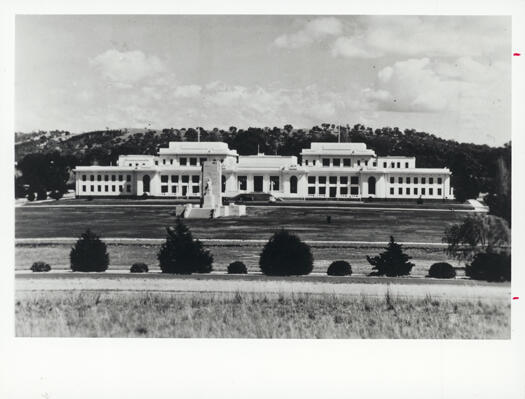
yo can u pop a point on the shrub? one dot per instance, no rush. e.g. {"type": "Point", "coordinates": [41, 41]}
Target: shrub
{"type": "Point", "coordinates": [391, 263]}
{"type": "Point", "coordinates": [89, 254]}
{"type": "Point", "coordinates": [139, 268]}
{"type": "Point", "coordinates": [237, 268]}
{"type": "Point", "coordinates": [339, 268]}
{"type": "Point", "coordinates": [419, 201]}
{"type": "Point", "coordinates": [56, 195]}
{"type": "Point", "coordinates": [442, 270]}
{"type": "Point", "coordinates": [489, 267]}
{"type": "Point", "coordinates": [31, 196]}
{"type": "Point", "coordinates": [181, 254]}
{"type": "Point", "coordinates": [40, 267]}
{"type": "Point", "coordinates": [41, 195]}
{"type": "Point", "coordinates": [285, 255]}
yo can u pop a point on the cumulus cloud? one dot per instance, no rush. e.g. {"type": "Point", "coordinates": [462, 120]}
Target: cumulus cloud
{"type": "Point", "coordinates": [312, 31]}
{"type": "Point", "coordinates": [123, 69]}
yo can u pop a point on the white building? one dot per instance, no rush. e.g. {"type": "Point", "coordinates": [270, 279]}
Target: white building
{"type": "Point", "coordinates": [328, 170]}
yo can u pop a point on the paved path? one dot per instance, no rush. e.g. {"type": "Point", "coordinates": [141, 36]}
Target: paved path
{"type": "Point", "coordinates": [360, 286]}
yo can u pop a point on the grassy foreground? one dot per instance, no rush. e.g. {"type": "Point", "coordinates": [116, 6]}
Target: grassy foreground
{"type": "Point", "coordinates": [250, 315]}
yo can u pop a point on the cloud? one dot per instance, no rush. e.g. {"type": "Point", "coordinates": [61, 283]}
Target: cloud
{"type": "Point", "coordinates": [312, 31]}
{"type": "Point", "coordinates": [123, 69]}
{"type": "Point", "coordinates": [187, 91]}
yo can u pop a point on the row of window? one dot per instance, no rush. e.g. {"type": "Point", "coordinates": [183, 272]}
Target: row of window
{"type": "Point", "coordinates": [184, 178]}
{"type": "Point", "coordinates": [106, 177]}
{"type": "Point", "coordinates": [333, 179]}
{"type": "Point", "coordinates": [416, 191]}
{"type": "Point", "coordinates": [334, 191]}
{"type": "Point", "coordinates": [105, 188]}
{"type": "Point", "coordinates": [394, 165]}
{"type": "Point", "coordinates": [184, 189]}
{"type": "Point", "coordinates": [408, 180]}
{"type": "Point", "coordinates": [336, 162]}
{"type": "Point", "coordinates": [183, 161]}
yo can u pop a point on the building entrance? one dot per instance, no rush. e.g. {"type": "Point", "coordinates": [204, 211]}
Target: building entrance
{"type": "Point", "coordinates": [258, 184]}
{"type": "Point", "coordinates": [333, 192]}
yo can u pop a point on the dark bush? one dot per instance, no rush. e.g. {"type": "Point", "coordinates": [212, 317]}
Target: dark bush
{"type": "Point", "coordinates": [419, 201]}
{"type": "Point", "coordinates": [56, 195]}
{"type": "Point", "coordinates": [490, 267]}
{"type": "Point", "coordinates": [89, 254]}
{"type": "Point", "coordinates": [339, 268]}
{"type": "Point", "coordinates": [442, 270]}
{"type": "Point", "coordinates": [237, 268]}
{"type": "Point", "coordinates": [40, 267]}
{"type": "Point", "coordinates": [391, 263]}
{"type": "Point", "coordinates": [286, 255]}
{"type": "Point", "coordinates": [139, 268]}
{"type": "Point", "coordinates": [31, 196]}
{"type": "Point", "coordinates": [41, 195]}
{"type": "Point", "coordinates": [181, 254]}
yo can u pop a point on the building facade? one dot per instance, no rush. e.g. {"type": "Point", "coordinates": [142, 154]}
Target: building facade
{"type": "Point", "coordinates": [327, 170]}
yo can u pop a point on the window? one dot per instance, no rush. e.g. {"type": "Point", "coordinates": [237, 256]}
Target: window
{"type": "Point", "coordinates": [358, 162]}
{"type": "Point", "coordinates": [343, 179]}
{"type": "Point", "coordinates": [400, 180]}
{"type": "Point", "coordinates": [423, 191]}
{"type": "Point", "coordinates": [183, 161]}
{"type": "Point", "coordinates": [391, 190]}
{"type": "Point", "coordinates": [106, 188]}
{"type": "Point", "coordinates": [398, 165]}
{"type": "Point", "coordinates": [322, 190]}
{"type": "Point", "coordinates": [392, 165]}
{"type": "Point", "coordinates": [164, 161]}
{"type": "Point", "coordinates": [374, 164]}
{"type": "Point", "coordinates": [83, 188]}
{"type": "Point", "coordinates": [314, 162]}
{"type": "Point", "coordinates": [120, 188]}
{"type": "Point", "coordinates": [408, 180]}
{"type": "Point", "coordinates": [311, 190]}
{"type": "Point", "coordinates": [430, 191]}
{"type": "Point", "coordinates": [430, 180]}
{"type": "Point", "coordinates": [83, 177]}
{"type": "Point", "coordinates": [354, 179]}
{"type": "Point", "coordinates": [113, 188]}
{"type": "Point", "coordinates": [113, 178]}
{"type": "Point", "coordinates": [163, 189]}
{"type": "Point", "coordinates": [384, 164]}
{"type": "Point", "coordinates": [164, 178]}
{"type": "Point", "coordinates": [274, 183]}
{"type": "Point", "coordinates": [332, 179]}
{"type": "Point", "coordinates": [306, 162]}
{"type": "Point", "coordinates": [346, 162]}
{"type": "Point", "coordinates": [242, 180]}
{"type": "Point", "coordinates": [128, 188]}
{"type": "Point", "coordinates": [156, 163]}
{"type": "Point", "coordinates": [400, 190]}
{"type": "Point", "coordinates": [185, 179]}
{"type": "Point", "coordinates": [193, 161]}
{"type": "Point", "coordinates": [195, 179]}
{"type": "Point", "coordinates": [415, 180]}
{"type": "Point", "coordinates": [406, 164]}
{"type": "Point", "coordinates": [128, 177]}
{"type": "Point", "coordinates": [415, 190]}
{"type": "Point", "coordinates": [423, 180]}
{"type": "Point", "coordinates": [439, 191]}
{"type": "Point", "coordinates": [130, 164]}
{"type": "Point", "coordinates": [92, 178]}
{"type": "Point", "coordinates": [202, 160]}
{"type": "Point", "coordinates": [92, 188]}
{"type": "Point", "coordinates": [326, 162]}
{"type": "Point", "coordinates": [336, 162]}
{"type": "Point", "coordinates": [407, 191]}
{"type": "Point", "coordinates": [174, 189]}
{"type": "Point", "coordinates": [392, 180]}
{"type": "Point", "coordinates": [293, 185]}
{"type": "Point", "coordinates": [311, 179]}
{"type": "Point", "coordinates": [440, 181]}
{"type": "Point", "coordinates": [195, 189]}
{"type": "Point", "coordinates": [366, 163]}
{"type": "Point", "coordinates": [99, 178]}
{"type": "Point", "coordinates": [99, 188]}
{"type": "Point", "coordinates": [343, 190]}
{"type": "Point", "coordinates": [354, 190]}
{"type": "Point", "coordinates": [120, 177]}
{"type": "Point", "coordinates": [171, 161]}
{"type": "Point", "coordinates": [322, 179]}
{"type": "Point", "coordinates": [174, 178]}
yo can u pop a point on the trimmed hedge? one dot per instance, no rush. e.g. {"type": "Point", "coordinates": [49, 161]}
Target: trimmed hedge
{"type": "Point", "coordinates": [237, 268]}
{"type": "Point", "coordinates": [339, 268]}
{"type": "Point", "coordinates": [489, 267]}
{"type": "Point", "coordinates": [89, 254]}
{"type": "Point", "coordinates": [286, 255]}
{"type": "Point", "coordinates": [442, 270]}
{"type": "Point", "coordinates": [40, 267]}
{"type": "Point", "coordinates": [139, 268]}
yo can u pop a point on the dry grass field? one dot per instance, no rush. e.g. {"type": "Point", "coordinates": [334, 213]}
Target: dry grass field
{"type": "Point", "coordinates": [256, 315]}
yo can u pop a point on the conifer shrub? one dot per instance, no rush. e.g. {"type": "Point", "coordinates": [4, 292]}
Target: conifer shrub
{"type": "Point", "coordinates": [181, 254]}
{"type": "Point", "coordinates": [286, 255]}
{"type": "Point", "coordinates": [40, 267]}
{"type": "Point", "coordinates": [442, 270]}
{"type": "Point", "coordinates": [392, 262]}
{"type": "Point", "coordinates": [237, 267]}
{"type": "Point", "coordinates": [89, 254]}
{"type": "Point", "coordinates": [339, 268]}
{"type": "Point", "coordinates": [139, 268]}
{"type": "Point", "coordinates": [490, 266]}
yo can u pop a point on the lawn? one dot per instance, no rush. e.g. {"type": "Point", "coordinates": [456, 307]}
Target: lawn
{"type": "Point", "coordinates": [256, 315]}
{"type": "Point", "coordinates": [347, 224]}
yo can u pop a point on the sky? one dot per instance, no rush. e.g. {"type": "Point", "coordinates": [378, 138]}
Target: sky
{"type": "Point", "coordinates": [445, 75]}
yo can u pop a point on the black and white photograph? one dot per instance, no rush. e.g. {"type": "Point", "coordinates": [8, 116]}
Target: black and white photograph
{"type": "Point", "coordinates": [272, 177]}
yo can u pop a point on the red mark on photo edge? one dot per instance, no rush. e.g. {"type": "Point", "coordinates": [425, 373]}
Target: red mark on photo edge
{"type": "Point", "coordinates": [516, 54]}
{"type": "Point", "coordinates": [516, 297]}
